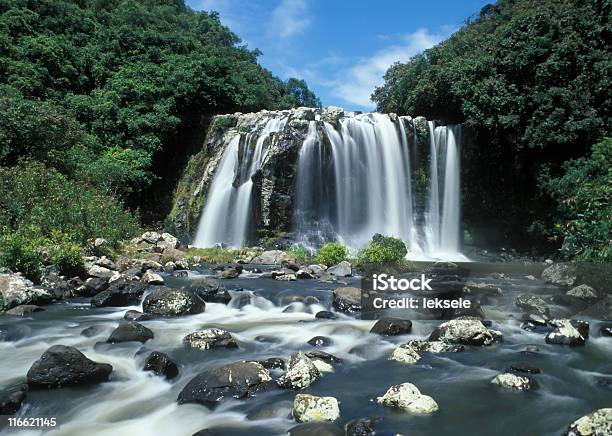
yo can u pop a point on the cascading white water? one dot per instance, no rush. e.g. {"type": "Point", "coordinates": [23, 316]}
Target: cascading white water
{"type": "Point", "coordinates": [227, 214]}
{"type": "Point", "coordinates": [353, 180]}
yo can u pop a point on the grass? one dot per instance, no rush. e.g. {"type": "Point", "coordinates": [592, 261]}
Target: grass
{"type": "Point", "coordinates": [219, 255]}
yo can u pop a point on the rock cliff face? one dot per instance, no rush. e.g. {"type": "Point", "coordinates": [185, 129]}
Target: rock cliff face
{"type": "Point", "coordinates": [274, 181]}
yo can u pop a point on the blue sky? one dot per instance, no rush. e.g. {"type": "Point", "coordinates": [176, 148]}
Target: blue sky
{"type": "Point", "coordinates": [341, 48]}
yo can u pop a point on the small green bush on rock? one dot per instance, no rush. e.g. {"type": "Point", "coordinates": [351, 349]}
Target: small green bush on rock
{"type": "Point", "coordinates": [68, 257]}
{"type": "Point", "coordinates": [332, 254]}
{"type": "Point", "coordinates": [299, 252]}
{"type": "Point", "coordinates": [383, 249]}
{"type": "Point", "coordinates": [21, 253]}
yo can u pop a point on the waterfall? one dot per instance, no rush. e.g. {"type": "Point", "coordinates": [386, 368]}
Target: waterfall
{"type": "Point", "coordinates": [354, 178]}
{"type": "Point", "coordinates": [227, 216]}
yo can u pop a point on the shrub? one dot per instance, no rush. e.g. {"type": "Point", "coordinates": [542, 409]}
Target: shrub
{"type": "Point", "coordinates": [584, 205]}
{"type": "Point", "coordinates": [68, 257]}
{"type": "Point", "coordinates": [383, 249]}
{"type": "Point", "coordinates": [299, 252]}
{"type": "Point", "coordinates": [332, 254]}
{"type": "Point", "coordinates": [21, 253]}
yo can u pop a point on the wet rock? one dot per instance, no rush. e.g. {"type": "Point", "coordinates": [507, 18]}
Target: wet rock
{"type": "Point", "coordinates": [317, 269]}
{"type": "Point", "coordinates": [100, 272]}
{"type": "Point", "coordinates": [523, 368]}
{"type": "Point", "coordinates": [405, 354]}
{"type": "Point", "coordinates": [434, 347]}
{"type": "Point", "coordinates": [167, 242]}
{"type": "Point", "coordinates": [169, 267]}
{"type": "Point", "coordinates": [290, 262]}
{"type": "Point", "coordinates": [152, 278]}
{"type": "Point", "coordinates": [268, 339]}
{"type": "Point", "coordinates": [316, 428]}
{"type": "Point", "coordinates": [161, 365]}
{"type": "Point", "coordinates": [392, 327]}
{"type": "Point", "coordinates": [134, 315]}
{"type": "Point", "coordinates": [230, 273]}
{"type": "Point", "coordinates": [271, 257]}
{"type": "Point", "coordinates": [559, 274]}
{"type": "Point", "coordinates": [130, 331]}
{"type": "Point", "coordinates": [91, 331]}
{"type": "Point", "coordinates": [210, 338]}
{"type": "Point", "coordinates": [310, 408]}
{"type": "Point", "coordinates": [283, 275]}
{"type": "Point", "coordinates": [238, 380]}
{"type": "Point", "coordinates": [513, 382]}
{"type": "Point", "coordinates": [61, 366]}
{"type": "Point", "coordinates": [343, 269]}
{"type": "Point", "coordinates": [16, 290]}
{"type": "Point", "coordinates": [407, 397]}
{"type": "Point", "coordinates": [568, 332]}
{"type": "Point", "coordinates": [301, 373]}
{"type": "Point", "coordinates": [361, 427]}
{"type": "Point", "coordinates": [482, 289]}
{"type": "Point", "coordinates": [11, 398]}
{"type": "Point", "coordinates": [597, 423]}
{"type": "Point", "coordinates": [320, 341]}
{"type": "Point", "coordinates": [605, 383]}
{"type": "Point", "coordinates": [325, 314]}
{"type": "Point", "coordinates": [347, 299]}
{"type": "Point", "coordinates": [532, 304]}
{"type": "Point", "coordinates": [173, 302]}
{"type": "Point", "coordinates": [464, 331]}
{"type": "Point", "coordinates": [93, 286]}
{"type": "Point", "coordinates": [121, 293]}
{"type": "Point", "coordinates": [273, 363]}
{"type": "Point", "coordinates": [105, 262]}
{"type": "Point", "coordinates": [209, 290]}
{"type": "Point", "coordinates": [304, 274]}
{"type": "Point", "coordinates": [583, 292]}
{"type": "Point", "coordinates": [24, 310]}
{"type": "Point", "coordinates": [606, 331]}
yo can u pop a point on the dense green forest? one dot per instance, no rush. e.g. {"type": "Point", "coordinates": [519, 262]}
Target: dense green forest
{"type": "Point", "coordinates": [101, 103]}
{"type": "Point", "coordinates": [530, 81]}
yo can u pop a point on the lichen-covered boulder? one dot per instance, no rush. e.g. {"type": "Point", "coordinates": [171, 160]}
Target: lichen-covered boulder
{"type": "Point", "coordinates": [568, 332]}
{"type": "Point", "coordinates": [16, 290]}
{"type": "Point", "coordinates": [597, 423]}
{"type": "Point", "coordinates": [302, 373]}
{"type": "Point", "coordinates": [173, 302]}
{"type": "Point", "coordinates": [513, 382]}
{"type": "Point", "coordinates": [560, 274]}
{"type": "Point", "coordinates": [210, 338]}
{"type": "Point", "coordinates": [466, 331]}
{"type": "Point", "coordinates": [310, 408]}
{"type": "Point", "coordinates": [407, 397]}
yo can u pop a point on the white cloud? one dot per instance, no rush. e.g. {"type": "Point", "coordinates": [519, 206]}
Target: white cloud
{"type": "Point", "coordinates": [355, 84]}
{"type": "Point", "coordinates": [289, 18]}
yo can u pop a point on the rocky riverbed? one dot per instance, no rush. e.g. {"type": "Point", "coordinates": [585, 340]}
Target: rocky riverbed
{"type": "Point", "coordinates": [274, 346]}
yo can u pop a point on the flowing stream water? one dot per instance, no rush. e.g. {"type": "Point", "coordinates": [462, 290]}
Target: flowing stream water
{"type": "Point", "coordinates": [135, 402]}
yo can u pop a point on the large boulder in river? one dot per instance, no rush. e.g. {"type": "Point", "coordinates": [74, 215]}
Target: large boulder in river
{"type": "Point", "coordinates": [16, 290]}
{"type": "Point", "coordinates": [130, 331]}
{"type": "Point", "coordinates": [407, 397]}
{"type": "Point", "coordinates": [513, 382]}
{"type": "Point", "coordinates": [210, 338]}
{"type": "Point", "coordinates": [238, 380]}
{"type": "Point", "coordinates": [560, 274]}
{"type": "Point", "coordinates": [583, 292]}
{"type": "Point", "coordinates": [310, 408]}
{"type": "Point", "coordinates": [12, 397]}
{"type": "Point", "coordinates": [343, 269]}
{"type": "Point", "coordinates": [466, 331]}
{"type": "Point", "coordinates": [302, 373]}
{"type": "Point", "coordinates": [61, 366]}
{"type": "Point", "coordinates": [597, 423]}
{"type": "Point", "coordinates": [172, 302]}
{"type": "Point", "coordinates": [532, 304]}
{"type": "Point", "coordinates": [568, 332]}
{"type": "Point", "coordinates": [271, 257]}
{"type": "Point", "coordinates": [160, 364]}
{"type": "Point", "coordinates": [392, 327]}
{"type": "Point", "coordinates": [347, 299]}
{"type": "Point", "coordinates": [121, 293]}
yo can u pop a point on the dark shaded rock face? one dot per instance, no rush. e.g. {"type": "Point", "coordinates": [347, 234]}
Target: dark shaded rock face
{"type": "Point", "coordinates": [320, 341]}
{"type": "Point", "coordinates": [209, 290]}
{"type": "Point", "coordinates": [130, 331]}
{"type": "Point", "coordinates": [392, 327]}
{"type": "Point", "coordinates": [11, 398]}
{"type": "Point", "coordinates": [173, 302]}
{"type": "Point", "coordinates": [134, 315]}
{"type": "Point", "coordinates": [121, 293]}
{"type": "Point", "coordinates": [316, 428]}
{"type": "Point", "coordinates": [61, 366]}
{"type": "Point", "coordinates": [362, 427]}
{"type": "Point", "coordinates": [347, 299]}
{"type": "Point", "coordinates": [160, 364]}
{"type": "Point", "coordinates": [238, 380]}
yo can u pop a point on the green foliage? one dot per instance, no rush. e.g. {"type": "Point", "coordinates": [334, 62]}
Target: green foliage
{"type": "Point", "coordinates": [98, 90]}
{"type": "Point", "coordinates": [299, 252]}
{"type": "Point", "coordinates": [21, 252]}
{"type": "Point", "coordinates": [332, 254]}
{"type": "Point", "coordinates": [584, 201]}
{"type": "Point", "coordinates": [35, 196]}
{"type": "Point", "coordinates": [68, 257]}
{"type": "Point", "coordinates": [218, 255]}
{"type": "Point", "coordinates": [383, 249]}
